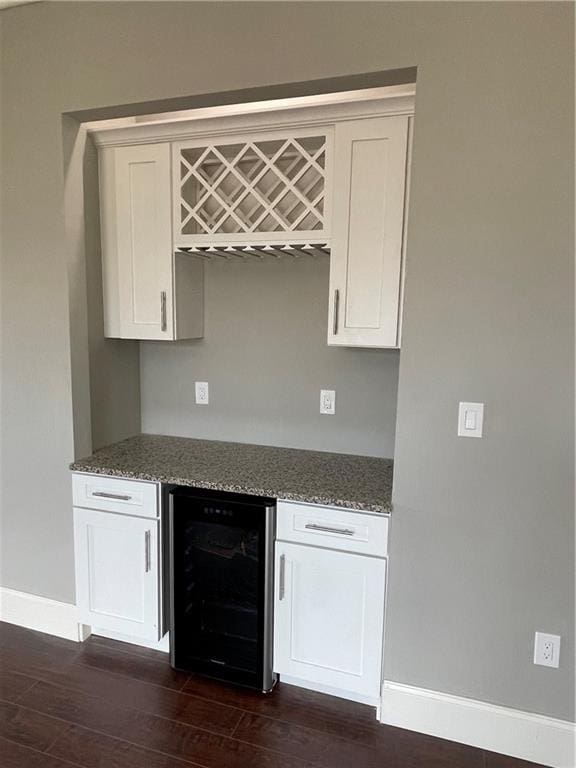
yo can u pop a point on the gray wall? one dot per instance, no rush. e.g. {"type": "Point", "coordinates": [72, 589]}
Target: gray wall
{"type": "Point", "coordinates": [114, 364]}
{"type": "Point", "coordinates": [488, 524]}
{"type": "Point", "coordinates": [482, 535]}
{"type": "Point", "coordinates": [265, 358]}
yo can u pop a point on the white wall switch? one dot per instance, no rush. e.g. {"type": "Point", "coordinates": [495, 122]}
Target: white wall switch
{"type": "Point", "coordinates": [327, 401]}
{"type": "Point", "coordinates": [547, 649]}
{"type": "Point", "coordinates": [201, 392]}
{"type": "Point", "coordinates": [470, 419]}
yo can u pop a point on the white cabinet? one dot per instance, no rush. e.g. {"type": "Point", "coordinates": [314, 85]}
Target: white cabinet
{"type": "Point", "coordinates": [367, 232]}
{"type": "Point", "coordinates": [329, 603]}
{"type": "Point", "coordinates": [329, 618]}
{"type": "Point", "coordinates": [312, 181]}
{"type": "Point", "coordinates": [141, 274]}
{"type": "Point", "coordinates": [117, 555]}
{"type": "Point", "coordinates": [332, 527]}
{"type": "Point", "coordinates": [115, 494]}
{"type": "Point", "coordinates": [117, 572]}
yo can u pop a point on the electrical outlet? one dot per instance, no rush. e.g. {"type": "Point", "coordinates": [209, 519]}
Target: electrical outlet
{"type": "Point", "coordinates": [328, 401]}
{"type": "Point", "coordinates": [547, 649]}
{"type": "Point", "coordinates": [201, 392]}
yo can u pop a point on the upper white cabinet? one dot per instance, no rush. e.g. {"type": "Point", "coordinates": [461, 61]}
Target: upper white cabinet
{"type": "Point", "coordinates": [140, 271]}
{"type": "Point", "coordinates": [367, 232]}
{"type": "Point", "coordinates": [324, 180]}
{"type": "Point", "coordinates": [250, 188]}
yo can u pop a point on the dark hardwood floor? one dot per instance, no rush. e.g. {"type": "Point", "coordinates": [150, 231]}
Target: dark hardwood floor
{"type": "Point", "coordinates": [105, 704]}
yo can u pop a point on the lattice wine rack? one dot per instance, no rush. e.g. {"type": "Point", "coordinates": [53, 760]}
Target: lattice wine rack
{"type": "Point", "coordinates": [265, 189]}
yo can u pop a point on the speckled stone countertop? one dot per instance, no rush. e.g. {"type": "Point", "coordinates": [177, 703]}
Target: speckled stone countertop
{"type": "Point", "coordinates": [334, 479]}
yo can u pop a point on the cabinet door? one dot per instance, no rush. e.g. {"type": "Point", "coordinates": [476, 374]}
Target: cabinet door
{"type": "Point", "coordinates": [117, 572]}
{"type": "Point", "coordinates": [329, 618]}
{"type": "Point", "coordinates": [135, 189]}
{"type": "Point", "coordinates": [367, 232]}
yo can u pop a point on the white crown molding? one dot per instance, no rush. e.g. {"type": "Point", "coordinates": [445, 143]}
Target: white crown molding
{"type": "Point", "coordinates": [181, 130]}
{"type": "Point", "coordinates": [523, 735]}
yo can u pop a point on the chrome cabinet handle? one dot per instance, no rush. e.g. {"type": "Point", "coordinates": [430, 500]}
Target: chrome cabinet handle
{"type": "Point", "coordinates": [147, 553]}
{"type": "Point", "coordinates": [282, 585]}
{"type": "Point", "coordinates": [336, 310]}
{"type": "Point", "coordinates": [116, 496]}
{"type": "Point", "coordinates": [326, 529]}
{"type": "Point", "coordinates": [163, 320]}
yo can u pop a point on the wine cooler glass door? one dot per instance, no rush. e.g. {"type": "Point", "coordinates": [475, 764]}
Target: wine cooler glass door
{"type": "Point", "coordinates": [218, 588]}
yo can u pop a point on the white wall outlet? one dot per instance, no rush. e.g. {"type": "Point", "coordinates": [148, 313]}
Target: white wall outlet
{"type": "Point", "coordinates": [328, 401]}
{"type": "Point", "coordinates": [547, 649]}
{"type": "Point", "coordinates": [470, 419]}
{"type": "Point", "coordinates": [201, 392]}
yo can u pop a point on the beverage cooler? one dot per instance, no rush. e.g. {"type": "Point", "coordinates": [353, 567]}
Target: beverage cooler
{"type": "Point", "coordinates": [221, 585]}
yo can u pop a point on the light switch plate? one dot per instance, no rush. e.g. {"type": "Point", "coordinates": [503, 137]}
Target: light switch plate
{"type": "Point", "coordinates": [328, 401]}
{"type": "Point", "coordinates": [470, 419]}
{"type": "Point", "coordinates": [201, 388]}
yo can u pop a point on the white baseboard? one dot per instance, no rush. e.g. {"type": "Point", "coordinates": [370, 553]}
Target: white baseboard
{"type": "Point", "coordinates": [41, 614]}
{"type": "Point", "coordinates": [523, 735]}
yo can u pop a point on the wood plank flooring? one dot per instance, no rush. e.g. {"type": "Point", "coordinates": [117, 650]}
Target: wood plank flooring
{"type": "Point", "coordinates": [103, 704]}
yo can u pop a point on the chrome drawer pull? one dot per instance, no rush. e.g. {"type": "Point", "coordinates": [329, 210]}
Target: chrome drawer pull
{"type": "Point", "coordinates": [326, 529]}
{"type": "Point", "coordinates": [147, 552]}
{"type": "Point", "coordinates": [116, 496]}
{"type": "Point", "coordinates": [281, 585]}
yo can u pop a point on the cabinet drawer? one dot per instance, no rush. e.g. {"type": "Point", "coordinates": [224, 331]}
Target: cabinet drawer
{"type": "Point", "coordinates": [129, 497]}
{"type": "Point", "coordinates": [333, 528]}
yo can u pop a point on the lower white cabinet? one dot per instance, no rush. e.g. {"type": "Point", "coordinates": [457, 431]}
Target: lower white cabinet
{"type": "Point", "coordinates": [117, 573]}
{"type": "Point", "coordinates": [329, 572]}
{"type": "Point", "coordinates": [329, 620]}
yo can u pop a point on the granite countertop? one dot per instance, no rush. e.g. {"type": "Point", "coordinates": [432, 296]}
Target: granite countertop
{"type": "Point", "coordinates": [334, 479]}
